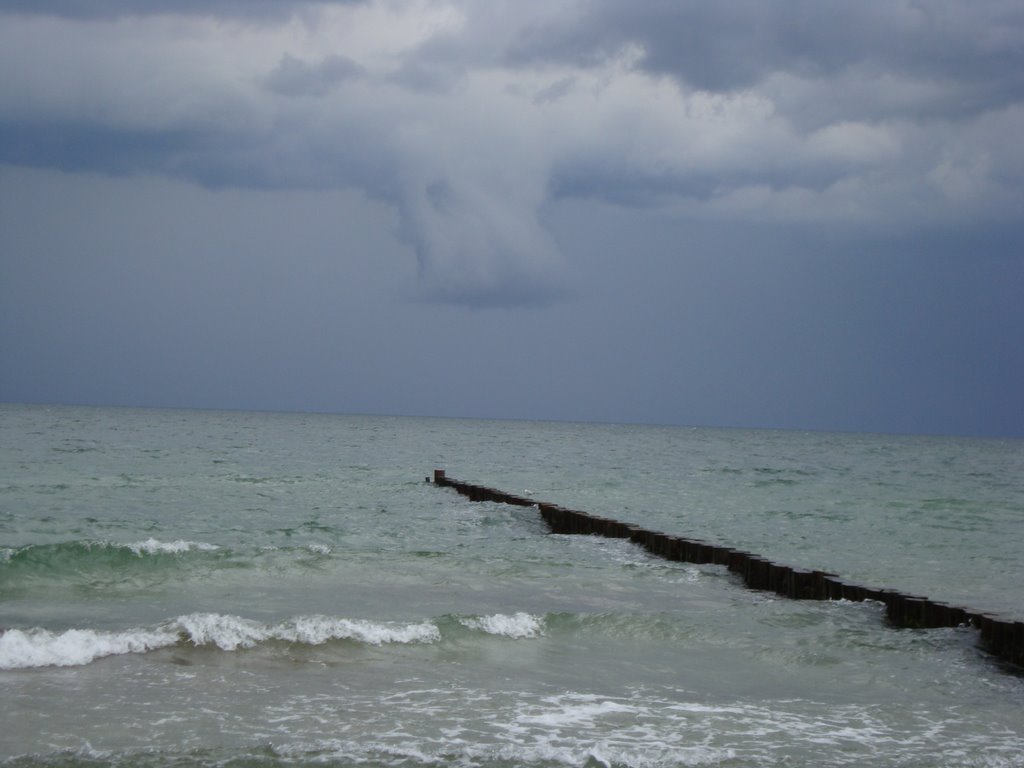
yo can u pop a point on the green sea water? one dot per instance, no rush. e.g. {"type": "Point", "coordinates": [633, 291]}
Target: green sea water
{"type": "Point", "coordinates": [234, 589]}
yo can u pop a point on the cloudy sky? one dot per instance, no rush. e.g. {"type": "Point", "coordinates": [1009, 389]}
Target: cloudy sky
{"type": "Point", "coordinates": [802, 214]}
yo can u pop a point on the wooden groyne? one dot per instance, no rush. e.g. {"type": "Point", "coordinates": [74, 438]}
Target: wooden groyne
{"type": "Point", "coordinates": [1002, 638]}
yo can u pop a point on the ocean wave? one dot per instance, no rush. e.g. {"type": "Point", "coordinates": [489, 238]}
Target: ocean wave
{"type": "Point", "coordinates": [37, 647]}
{"type": "Point", "coordinates": [232, 632]}
{"type": "Point", "coordinates": [518, 625]}
{"type": "Point", "coordinates": [24, 649]}
{"type": "Point", "coordinates": [153, 546]}
{"type": "Point", "coordinates": [76, 553]}
{"type": "Point", "coordinates": [98, 563]}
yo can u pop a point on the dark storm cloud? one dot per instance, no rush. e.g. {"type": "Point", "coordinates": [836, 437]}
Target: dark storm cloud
{"type": "Point", "coordinates": [768, 214]}
{"type": "Point", "coordinates": [724, 46]}
{"type": "Point", "coordinates": [295, 77]}
{"type": "Point", "coordinates": [90, 147]}
{"type": "Point", "coordinates": [215, 160]}
{"type": "Point", "coordinates": [875, 112]}
{"type": "Point", "coordinates": [107, 9]}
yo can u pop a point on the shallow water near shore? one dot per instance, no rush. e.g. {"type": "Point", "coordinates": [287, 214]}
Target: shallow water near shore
{"type": "Point", "coordinates": [236, 589]}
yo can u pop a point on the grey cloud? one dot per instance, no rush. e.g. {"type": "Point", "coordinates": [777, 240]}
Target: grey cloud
{"type": "Point", "coordinates": [108, 9]}
{"type": "Point", "coordinates": [213, 159]}
{"type": "Point", "coordinates": [555, 91]}
{"type": "Point", "coordinates": [726, 46]}
{"type": "Point", "coordinates": [73, 146]}
{"type": "Point", "coordinates": [472, 130]}
{"type": "Point", "coordinates": [427, 74]}
{"type": "Point", "coordinates": [633, 188]}
{"type": "Point", "coordinates": [295, 77]}
{"type": "Point", "coordinates": [476, 249]}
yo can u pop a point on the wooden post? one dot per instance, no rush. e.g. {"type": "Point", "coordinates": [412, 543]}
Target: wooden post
{"type": "Point", "coordinates": [1004, 639]}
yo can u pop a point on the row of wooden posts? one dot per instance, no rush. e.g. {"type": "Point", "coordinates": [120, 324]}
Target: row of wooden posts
{"type": "Point", "coordinates": [1002, 638]}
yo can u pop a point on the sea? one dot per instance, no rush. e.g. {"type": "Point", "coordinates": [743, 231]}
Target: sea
{"type": "Point", "coordinates": [229, 589]}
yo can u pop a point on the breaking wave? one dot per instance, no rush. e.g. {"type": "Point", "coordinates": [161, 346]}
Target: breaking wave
{"type": "Point", "coordinates": [80, 557]}
{"type": "Point", "coordinates": [518, 625]}
{"type": "Point", "coordinates": [230, 633]}
{"type": "Point", "coordinates": [23, 649]}
{"type": "Point", "coordinates": [104, 564]}
{"type": "Point", "coordinates": [152, 547]}
{"type": "Point", "coordinates": [38, 647]}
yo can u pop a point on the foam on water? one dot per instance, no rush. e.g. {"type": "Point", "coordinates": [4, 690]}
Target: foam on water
{"type": "Point", "coordinates": [153, 546]}
{"type": "Point", "coordinates": [518, 625]}
{"type": "Point", "coordinates": [575, 711]}
{"type": "Point", "coordinates": [37, 647]}
{"type": "Point", "coordinates": [232, 632]}
{"type": "Point", "coordinates": [608, 755]}
{"type": "Point", "coordinates": [23, 649]}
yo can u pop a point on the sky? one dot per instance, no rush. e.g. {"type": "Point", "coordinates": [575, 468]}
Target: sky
{"type": "Point", "coordinates": [804, 215]}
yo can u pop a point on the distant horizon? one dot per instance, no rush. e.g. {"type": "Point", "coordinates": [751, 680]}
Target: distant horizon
{"type": "Point", "coordinates": [524, 419]}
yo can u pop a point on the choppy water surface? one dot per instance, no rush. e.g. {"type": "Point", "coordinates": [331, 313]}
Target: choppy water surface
{"type": "Point", "coordinates": [234, 589]}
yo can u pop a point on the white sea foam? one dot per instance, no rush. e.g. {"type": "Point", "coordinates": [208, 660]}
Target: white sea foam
{"type": "Point", "coordinates": [517, 625]}
{"type": "Point", "coordinates": [22, 649]}
{"type": "Point", "coordinates": [575, 711]}
{"type": "Point", "coordinates": [581, 728]}
{"type": "Point", "coordinates": [319, 629]}
{"type": "Point", "coordinates": [232, 632]}
{"type": "Point", "coordinates": [153, 546]}
{"type": "Point", "coordinates": [542, 747]}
